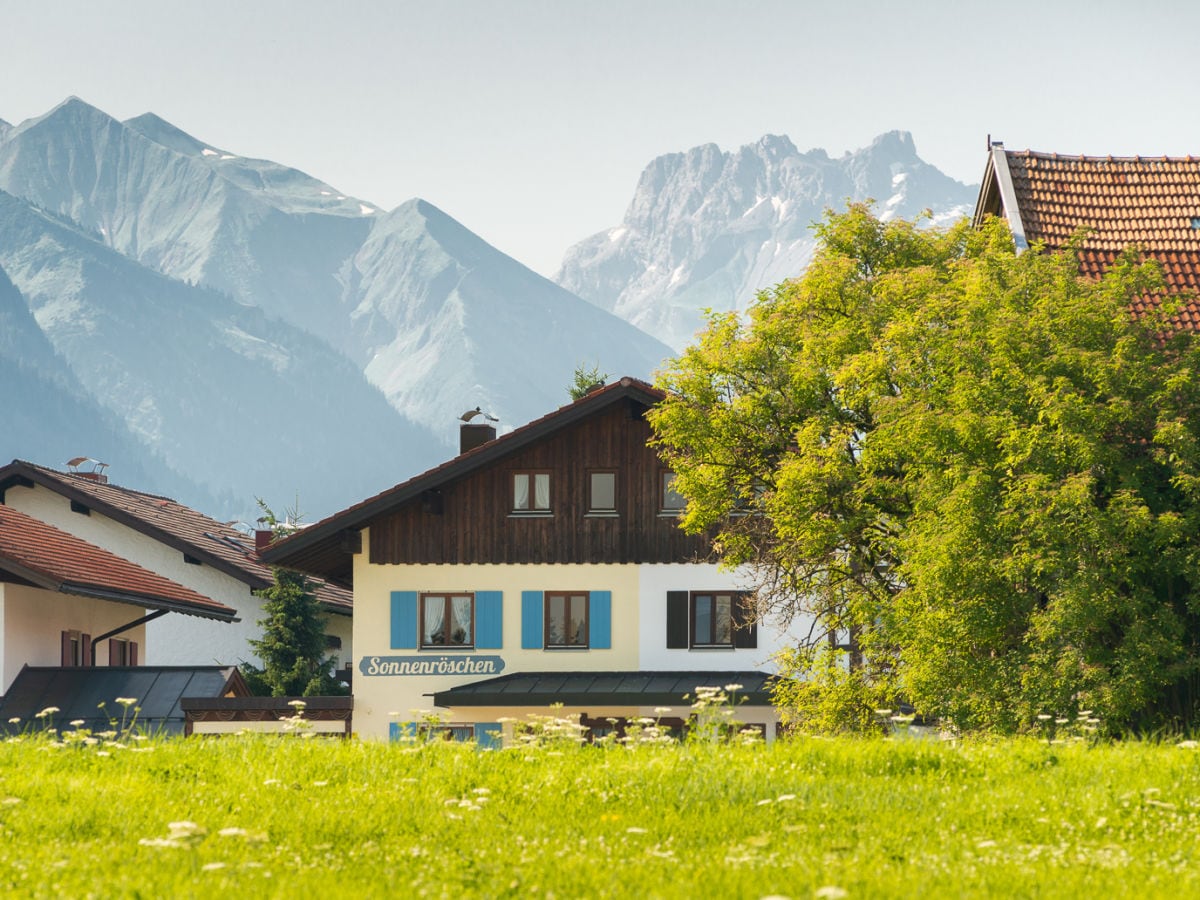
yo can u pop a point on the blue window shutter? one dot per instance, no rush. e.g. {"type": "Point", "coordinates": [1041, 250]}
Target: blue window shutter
{"type": "Point", "coordinates": [404, 620]}
{"type": "Point", "coordinates": [402, 730]}
{"type": "Point", "coordinates": [489, 620]}
{"type": "Point", "coordinates": [600, 616]}
{"type": "Point", "coordinates": [532, 620]}
{"type": "Point", "coordinates": [489, 735]}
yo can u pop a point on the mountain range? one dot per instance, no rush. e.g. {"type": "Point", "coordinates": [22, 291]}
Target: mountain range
{"type": "Point", "coordinates": [710, 229]}
{"type": "Point", "coordinates": [223, 328]}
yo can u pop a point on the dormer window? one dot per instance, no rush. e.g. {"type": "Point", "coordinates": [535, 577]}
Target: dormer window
{"type": "Point", "coordinates": [531, 492]}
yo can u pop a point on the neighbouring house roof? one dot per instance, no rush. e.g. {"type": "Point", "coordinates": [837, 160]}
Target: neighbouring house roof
{"type": "Point", "coordinates": [1151, 203]}
{"type": "Point", "coordinates": [184, 529]}
{"type": "Point", "coordinates": [79, 691]}
{"type": "Point", "coordinates": [32, 552]}
{"type": "Point", "coordinates": [327, 548]}
{"type": "Point", "coordinates": [674, 689]}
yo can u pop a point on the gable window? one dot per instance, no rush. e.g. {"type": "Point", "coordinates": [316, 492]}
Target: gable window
{"type": "Point", "coordinates": [602, 493]}
{"type": "Point", "coordinates": [447, 620]}
{"type": "Point", "coordinates": [531, 492]}
{"type": "Point", "coordinates": [566, 622]}
{"type": "Point", "coordinates": [673, 502]}
{"type": "Point", "coordinates": [710, 620]}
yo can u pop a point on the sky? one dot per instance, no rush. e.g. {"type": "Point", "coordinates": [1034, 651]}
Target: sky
{"type": "Point", "coordinates": [530, 122]}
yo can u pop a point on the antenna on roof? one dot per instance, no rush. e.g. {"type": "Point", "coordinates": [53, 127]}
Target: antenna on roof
{"type": "Point", "coordinates": [472, 413]}
{"type": "Point", "coordinates": [96, 473]}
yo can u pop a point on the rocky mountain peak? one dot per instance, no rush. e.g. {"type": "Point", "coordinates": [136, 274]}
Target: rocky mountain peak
{"type": "Point", "coordinates": [709, 229]}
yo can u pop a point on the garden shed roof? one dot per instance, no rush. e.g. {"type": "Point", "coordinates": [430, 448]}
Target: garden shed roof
{"type": "Point", "coordinates": [77, 692]}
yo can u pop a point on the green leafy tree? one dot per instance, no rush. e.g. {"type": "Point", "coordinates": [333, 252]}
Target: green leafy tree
{"type": "Point", "coordinates": [292, 646]}
{"type": "Point", "coordinates": [976, 472]}
{"type": "Point", "coordinates": [585, 380]}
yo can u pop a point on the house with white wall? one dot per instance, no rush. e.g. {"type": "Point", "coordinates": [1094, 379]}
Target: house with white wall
{"type": "Point", "coordinates": [209, 558]}
{"type": "Point", "coordinates": [67, 602]}
{"type": "Point", "coordinates": [542, 566]}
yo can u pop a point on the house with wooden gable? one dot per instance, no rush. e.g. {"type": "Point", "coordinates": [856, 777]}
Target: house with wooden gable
{"type": "Point", "coordinates": [67, 602]}
{"type": "Point", "coordinates": [1150, 203]}
{"type": "Point", "coordinates": [542, 566]}
{"type": "Point", "coordinates": [208, 559]}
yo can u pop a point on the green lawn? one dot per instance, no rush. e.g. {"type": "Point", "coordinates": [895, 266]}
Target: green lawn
{"type": "Point", "coordinates": [805, 818]}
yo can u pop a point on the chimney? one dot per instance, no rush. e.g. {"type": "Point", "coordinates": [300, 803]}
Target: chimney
{"type": "Point", "coordinates": [262, 539]}
{"type": "Point", "coordinates": [471, 436]}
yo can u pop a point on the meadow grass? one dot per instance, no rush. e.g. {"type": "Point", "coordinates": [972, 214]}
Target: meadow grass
{"type": "Point", "coordinates": [261, 816]}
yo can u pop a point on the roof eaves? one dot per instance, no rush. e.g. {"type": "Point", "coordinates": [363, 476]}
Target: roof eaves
{"type": "Point", "coordinates": [60, 483]}
{"type": "Point", "coordinates": [222, 613]}
{"type": "Point", "coordinates": [1008, 197]}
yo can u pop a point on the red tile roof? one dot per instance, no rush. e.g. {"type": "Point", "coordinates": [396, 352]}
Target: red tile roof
{"type": "Point", "coordinates": [181, 527]}
{"type": "Point", "coordinates": [1151, 203]}
{"type": "Point", "coordinates": [41, 554]}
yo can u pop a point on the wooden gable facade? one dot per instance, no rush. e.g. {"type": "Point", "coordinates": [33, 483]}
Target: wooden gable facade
{"type": "Point", "coordinates": [472, 519]}
{"type": "Point", "coordinates": [463, 511]}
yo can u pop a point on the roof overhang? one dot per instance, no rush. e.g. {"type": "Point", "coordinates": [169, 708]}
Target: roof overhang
{"type": "Point", "coordinates": [632, 689]}
{"type": "Point", "coordinates": [998, 197]}
{"type": "Point", "coordinates": [21, 474]}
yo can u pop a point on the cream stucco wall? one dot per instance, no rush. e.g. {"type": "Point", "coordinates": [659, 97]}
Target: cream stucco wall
{"type": "Point", "coordinates": [175, 639]}
{"type": "Point", "coordinates": [34, 620]}
{"type": "Point", "coordinates": [377, 696]}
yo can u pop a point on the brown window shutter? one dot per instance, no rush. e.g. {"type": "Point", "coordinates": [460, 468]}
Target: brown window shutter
{"type": "Point", "coordinates": [85, 651]}
{"type": "Point", "coordinates": [66, 649]}
{"type": "Point", "coordinates": [677, 620]}
{"type": "Point", "coordinates": [114, 651]}
{"type": "Point", "coordinates": [745, 626]}
{"type": "Point", "coordinates": [133, 657]}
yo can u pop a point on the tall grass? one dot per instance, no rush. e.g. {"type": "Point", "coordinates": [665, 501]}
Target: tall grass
{"type": "Point", "coordinates": [258, 816]}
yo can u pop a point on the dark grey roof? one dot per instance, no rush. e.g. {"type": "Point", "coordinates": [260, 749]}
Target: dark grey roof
{"type": "Point", "coordinates": [603, 689]}
{"type": "Point", "coordinates": [79, 691]}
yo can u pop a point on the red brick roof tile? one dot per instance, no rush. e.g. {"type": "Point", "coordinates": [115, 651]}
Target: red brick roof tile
{"type": "Point", "coordinates": [176, 525]}
{"type": "Point", "coordinates": [53, 559]}
{"type": "Point", "coordinates": [1152, 204]}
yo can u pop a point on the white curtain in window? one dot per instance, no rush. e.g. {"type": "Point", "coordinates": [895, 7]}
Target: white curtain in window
{"type": "Point", "coordinates": [460, 620]}
{"type": "Point", "coordinates": [541, 486]}
{"type": "Point", "coordinates": [520, 492]}
{"type": "Point", "coordinates": [435, 616]}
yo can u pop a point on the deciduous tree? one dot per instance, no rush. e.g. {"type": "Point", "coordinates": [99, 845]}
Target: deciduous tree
{"type": "Point", "coordinates": [975, 470]}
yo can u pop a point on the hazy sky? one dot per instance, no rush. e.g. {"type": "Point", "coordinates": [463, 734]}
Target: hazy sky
{"type": "Point", "coordinates": [531, 121]}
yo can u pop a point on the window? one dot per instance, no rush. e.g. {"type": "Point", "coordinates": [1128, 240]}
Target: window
{"type": "Point", "coordinates": [602, 493]}
{"type": "Point", "coordinates": [556, 619]}
{"type": "Point", "coordinates": [76, 649]}
{"type": "Point", "coordinates": [531, 492]}
{"type": "Point", "coordinates": [710, 620]}
{"type": "Point", "coordinates": [447, 620]}
{"type": "Point", "coordinates": [122, 652]}
{"type": "Point", "coordinates": [566, 622]}
{"type": "Point", "coordinates": [672, 501]}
